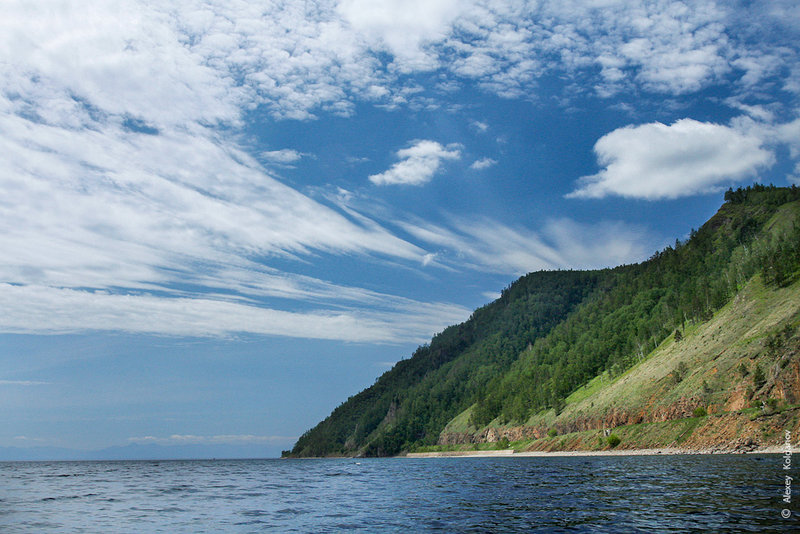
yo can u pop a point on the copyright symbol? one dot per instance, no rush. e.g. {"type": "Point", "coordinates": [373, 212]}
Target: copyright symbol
{"type": "Point", "coordinates": [786, 513]}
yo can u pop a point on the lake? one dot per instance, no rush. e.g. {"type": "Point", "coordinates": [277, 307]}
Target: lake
{"type": "Point", "coordinates": [684, 493]}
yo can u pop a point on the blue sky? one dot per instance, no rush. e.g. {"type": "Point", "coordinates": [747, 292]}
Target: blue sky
{"type": "Point", "coordinates": [220, 219]}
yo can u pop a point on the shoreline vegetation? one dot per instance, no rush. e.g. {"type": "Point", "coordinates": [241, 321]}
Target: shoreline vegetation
{"type": "Point", "coordinates": [773, 449]}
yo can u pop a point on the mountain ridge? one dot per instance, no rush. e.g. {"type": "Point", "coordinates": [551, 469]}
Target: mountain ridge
{"type": "Point", "coordinates": [553, 332]}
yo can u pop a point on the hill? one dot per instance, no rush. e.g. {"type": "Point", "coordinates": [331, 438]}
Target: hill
{"type": "Point", "coordinates": [570, 352]}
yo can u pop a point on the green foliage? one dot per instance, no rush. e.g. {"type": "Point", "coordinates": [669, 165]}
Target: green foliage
{"type": "Point", "coordinates": [502, 444]}
{"type": "Point", "coordinates": [769, 195]}
{"type": "Point", "coordinates": [776, 340]}
{"type": "Point", "coordinates": [758, 377]}
{"type": "Point", "coordinates": [552, 433]}
{"type": "Point", "coordinates": [637, 306]}
{"type": "Point", "coordinates": [679, 373]}
{"type": "Point", "coordinates": [700, 412]}
{"type": "Point", "coordinates": [705, 391]}
{"type": "Point", "coordinates": [779, 262]}
{"type": "Point", "coordinates": [485, 410]}
{"type": "Point", "coordinates": [552, 332]}
{"type": "Point", "coordinates": [558, 405]}
{"type": "Point", "coordinates": [445, 377]}
{"type": "Point", "coordinates": [613, 440]}
{"type": "Point", "coordinates": [743, 370]}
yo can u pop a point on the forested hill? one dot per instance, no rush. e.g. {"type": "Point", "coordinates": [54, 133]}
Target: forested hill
{"type": "Point", "coordinates": [551, 332]}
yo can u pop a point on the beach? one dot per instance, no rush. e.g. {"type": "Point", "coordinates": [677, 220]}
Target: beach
{"type": "Point", "coordinates": [775, 449]}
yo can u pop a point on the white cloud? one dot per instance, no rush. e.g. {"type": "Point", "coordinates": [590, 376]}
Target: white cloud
{"type": "Point", "coordinates": [166, 62]}
{"type": "Point", "coordinates": [109, 57]}
{"type": "Point", "coordinates": [483, 163]}
{"type": "Point", "coordinates": [665, 47]}
{"type": "Point", "coordinates": [121, 201]}
{"type": "Point", "coordinates": [32, 309]}
{"type": "Point", "coordinates": [488, 245]}
{"type": "Point", "coordinates": [22, 383]}
{"type": "Point", "coordinates": [479, 126]}
{"type": "Point", "coordinates": [756, 112]}
{"type": "Point", "coordinates": [284, 156]}
{"type": "Point", "coordinates": [653, 161]}
{"type": "Point", "coordinates": [132, 217]}
{"type": "Point", "coordinates": [789, 133]}
{"type": "Point", "coordinates": [122, 181]}
{"type": "Point", "coordinates": [403, 27]}
{"type": "Point", "coordinates": [418, 163]}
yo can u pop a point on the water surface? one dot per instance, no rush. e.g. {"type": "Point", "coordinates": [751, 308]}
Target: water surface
{"type": "Point", "coordinates": [566, 494]}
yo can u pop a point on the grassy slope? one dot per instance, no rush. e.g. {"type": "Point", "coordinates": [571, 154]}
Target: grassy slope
{"type": "Point", "coordinates": [713, 352]}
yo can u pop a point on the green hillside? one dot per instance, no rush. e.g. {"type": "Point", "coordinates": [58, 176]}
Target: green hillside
{"type": "Point", "coordinates": [556, 339]}
{"type": "Point", "coordinates": [733, 377]}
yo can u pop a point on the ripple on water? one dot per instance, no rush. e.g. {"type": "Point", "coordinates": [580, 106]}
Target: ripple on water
{"type": "Point", "coordinates": [643, 494]}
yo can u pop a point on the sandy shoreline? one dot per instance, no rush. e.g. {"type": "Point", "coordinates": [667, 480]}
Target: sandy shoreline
{"type": "Point", "coordinates": [776, 449]}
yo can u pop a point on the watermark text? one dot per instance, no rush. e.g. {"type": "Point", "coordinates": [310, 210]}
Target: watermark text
{"type": "Point", "coordinates": [786, 513]}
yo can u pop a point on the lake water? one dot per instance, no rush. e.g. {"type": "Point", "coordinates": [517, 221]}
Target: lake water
{"type": "Point", "coordinates": [568, 494]}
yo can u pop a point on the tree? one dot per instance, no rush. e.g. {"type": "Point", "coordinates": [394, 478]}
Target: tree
{"type": "Point", "coordinates": [758, 377]}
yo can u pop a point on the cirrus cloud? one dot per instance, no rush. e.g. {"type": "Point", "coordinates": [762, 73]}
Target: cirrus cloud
{"type": "Point", "coordinates": [489, 245]}
{"type": "Point", "coordinates": [121, 171]}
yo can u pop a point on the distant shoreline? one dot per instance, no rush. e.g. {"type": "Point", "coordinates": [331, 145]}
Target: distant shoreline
{"type": "Point", "coordinates": [775, 449]}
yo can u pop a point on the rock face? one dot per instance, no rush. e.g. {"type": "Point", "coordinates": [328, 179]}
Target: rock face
{"type": "Point", "coordinates": [726, 431]}
{"type": "Point", "coordinates": [730, 433]}
{"type": "Point", "coordinates": [774, 349]}
{"type": "Point", "coordinates": [614, 418]}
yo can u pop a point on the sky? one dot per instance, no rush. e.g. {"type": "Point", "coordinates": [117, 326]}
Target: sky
{"type": "Point", "coordinates": [219, 219]}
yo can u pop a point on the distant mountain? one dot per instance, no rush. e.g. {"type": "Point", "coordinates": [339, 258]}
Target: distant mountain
{"type": "Point", "coordinates": [565, 352]}
{"type": "Point", "coordinates": [138, 452]}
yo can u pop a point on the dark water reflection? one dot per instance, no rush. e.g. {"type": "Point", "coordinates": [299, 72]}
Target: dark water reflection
{"type": "Point", "coordinates": [568, 494]}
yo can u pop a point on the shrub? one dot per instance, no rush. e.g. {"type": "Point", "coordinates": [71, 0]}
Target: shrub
{"type": "Point", "coordinates": [552, 433]}
{"type": "Point", "coordinates": [758, 377]}
{"type": "Point", "coordinates": [743, 370]}
{"type": "Point", "coordinates": [503, 443]}
{"type": "Point", "coordinates": [679, 373]}
{"type": "Point", "coordinates": [613, 440]}
{"type": "Point", "coordinates": [700, 412]}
